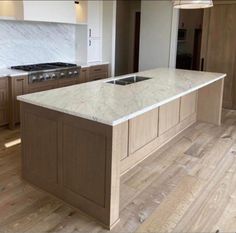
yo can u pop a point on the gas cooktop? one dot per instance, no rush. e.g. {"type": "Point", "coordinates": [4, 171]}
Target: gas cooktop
{"type": "Point", "coordinates": [49, 71]}
{"type": "Point", "coordinates": [44, 66]}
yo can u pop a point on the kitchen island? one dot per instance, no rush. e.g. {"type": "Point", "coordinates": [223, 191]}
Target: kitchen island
{"type": "Point", "coordinates": [77, 141]}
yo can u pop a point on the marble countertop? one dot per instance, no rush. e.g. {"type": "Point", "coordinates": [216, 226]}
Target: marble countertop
{"type": "Point", "coordinates": [113, 104]}
{"type": "Point", "coordinates": [5, 72]}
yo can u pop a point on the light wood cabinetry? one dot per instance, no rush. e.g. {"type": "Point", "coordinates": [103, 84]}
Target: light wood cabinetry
{"type": "Point", "coordinates": [98, 72]}
{"type": "Point", "coordinates": [43, 86]}
{"type": "Point", "coordinates": [188, 105]}
{"type": "Point", "coordinates": [4, 101]}
{"type": "Point", "coordinates": [84, 75]}
{"type": "Point", "coordinates": [142, 130]}
{"type": "Point", "coordinates": [85, 176]}
{"type": "Point", "coordinates": [219, 47]}
{"type": "Point", "coordinates": [67, 82]}
{"type": "Point", "coordinates": [18, 86]}
{"type": "Point", "coordinates": [169, 116]}
{"type": "Point", "coordinates": [87, 158]}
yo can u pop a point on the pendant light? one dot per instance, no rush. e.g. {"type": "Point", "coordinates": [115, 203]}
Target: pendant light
{"type": "Point", "coordinates": [192, 4]}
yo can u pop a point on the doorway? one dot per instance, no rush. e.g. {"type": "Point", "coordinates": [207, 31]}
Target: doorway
{"type": "Point", "coordinates": [189, 39]}
{"type": "Point", "coordinates": [128, 18]}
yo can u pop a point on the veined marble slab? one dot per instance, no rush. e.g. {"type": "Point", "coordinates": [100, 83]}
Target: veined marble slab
{"type": "Point", "coordinates": [5, 72]}
{"type": "Point", "coordinates": [113, 104]}
{"type": "Point", "coordinates": [25, 43]}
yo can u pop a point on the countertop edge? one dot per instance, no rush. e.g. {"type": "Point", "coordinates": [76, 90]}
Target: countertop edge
{"type": "Point", "coordinates": [130, 116]}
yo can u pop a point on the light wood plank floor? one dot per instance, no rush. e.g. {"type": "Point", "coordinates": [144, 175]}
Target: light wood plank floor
{"type": "Point", "coordinates": [190, 187]}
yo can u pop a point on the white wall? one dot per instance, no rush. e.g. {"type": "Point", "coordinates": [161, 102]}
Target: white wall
{"type": "Point", "coordinates": [125, 28]}
{"type": "Point", "coordinates": [108, 34]}
{"type": "Point", "coordinates": [157, 36]}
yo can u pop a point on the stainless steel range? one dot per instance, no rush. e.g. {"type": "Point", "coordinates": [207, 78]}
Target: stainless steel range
{"type": "Point", "coordinates": [49, 71]}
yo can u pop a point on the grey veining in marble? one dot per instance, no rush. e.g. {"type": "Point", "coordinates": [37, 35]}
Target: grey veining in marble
{"type": "Point", "coordinates": [34, 42]}
{"type": "Point", "coordinates": [113, 104]}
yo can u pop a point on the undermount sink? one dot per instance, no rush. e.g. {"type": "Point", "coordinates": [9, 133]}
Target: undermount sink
{"type": "Point", "coordinates": [128, 80]}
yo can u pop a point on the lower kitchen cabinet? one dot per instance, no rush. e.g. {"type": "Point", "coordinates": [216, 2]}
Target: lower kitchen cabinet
{"type": "Point", "coordinates": [84, 75]}
{"type": "Point", "coordinates": [43, 86]}
{"type": "Point", "coordinates": [142, 130]}
{"type": "Point", "coordinates": [98, 72]}
{"type": "Point", "coordinates": [169, 116]}
{"type": "Point", "coordinates": [188, 104]}
{"type": "Point", "coordinates": [4, 101]}
{"type": "Point", "coordinates": [18, 86]}
{"type": "Point", "coordinates": [67, 82]}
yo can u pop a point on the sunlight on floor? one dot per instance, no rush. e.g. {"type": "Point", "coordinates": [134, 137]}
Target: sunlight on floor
{"type": "Point", "coordinates": [13, 143]}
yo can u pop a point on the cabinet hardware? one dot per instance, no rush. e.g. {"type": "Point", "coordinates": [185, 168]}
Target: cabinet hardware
{"type": "Point", "coordinates": [90, 33]}
{"type": "Point", "coordinates": [90, 43]}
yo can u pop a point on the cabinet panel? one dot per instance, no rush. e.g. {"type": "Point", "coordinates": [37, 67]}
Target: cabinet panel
{"type": "Point", "coordinates": [94, 50]}
{"type": "Point", "coordinates": [94, 18]}
{"type": "Point", "coordinates": [84, 75]}
{"type": "Point", "coordinates": [98, 72]}
{"type": "Point", "coordinates": [4, 116]}
{"type": "Point", "coordinates": [67, 82]}
{"type": "Point", "coordinates": [44, 86]}
{"type": "Point", "coordinates": [84, 162]}
{"type": "Point", "coordinates": [169, 116]}
{"type": "Point", "coordinates": [142, 130]}
{"type": "Point", "coordinates": [50, 11]}
{"type": "Point", "coordinates": [188, 105]}
{"type": "Point", "coordinates": [41, 131]}
{"type": "Point", "coordinates": [3, 92]}
{"type": "Point", "coordinates": [4, 101]}
{"type": "Point", "coordinates": [219, 22]}
{"type": "Point", "coordinates": [19, 87]}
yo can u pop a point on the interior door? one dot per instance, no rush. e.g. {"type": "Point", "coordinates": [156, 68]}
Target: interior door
{"type": "Point", "coordinates": [219, 47]}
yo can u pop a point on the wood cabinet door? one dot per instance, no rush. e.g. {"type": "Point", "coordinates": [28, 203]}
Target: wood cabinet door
{"type": "Point", "coordinates": [4, 101]}
{"type": "Point", "coordinates": [19, 87]}
{"type": "Point", "coordinates": [219, 47]}
{"type": "Point", "coordinates": [169, 116]}
{"type": "Point", "coordinates": [84, 75]}
{"type": "Point", "coordinates": [98, 72]}
{"type": "Point", "coordinates": [188, 105]}
{"type": "Point", "coordinates": [142, 130]}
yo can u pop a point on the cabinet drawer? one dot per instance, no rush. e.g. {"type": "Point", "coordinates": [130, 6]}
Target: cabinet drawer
{"type": "Point", "coordinates": [168, 116]}
{"type": "Point", "coordinates": [98, 69]}
{"type": "Point", "coordinates": [44, 86]}
{"type": "Point", "coordinates": [142, 130]}
{"type": "Point", "coordinates": [188, 105]}
{"type": "Point", "coordinates": [67, 82]}
{"type": "Point", "coordinates": [98, 76]}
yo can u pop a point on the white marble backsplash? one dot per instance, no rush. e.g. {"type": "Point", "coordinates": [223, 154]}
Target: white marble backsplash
{"type": "Point", "coordinates": [34, 42]}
